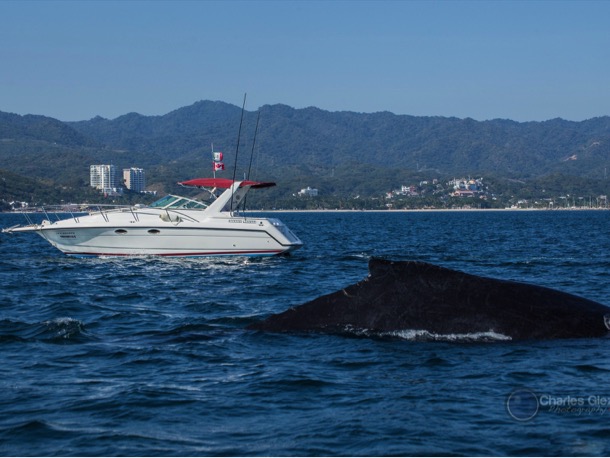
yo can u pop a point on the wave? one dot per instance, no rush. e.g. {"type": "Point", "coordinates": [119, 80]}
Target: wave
{"type": "Point", "coordinates": [62, 329]}
{"type": "Point", "coordinates": [58, 330]}
{"type": "Point", "coordinates": [37, 428]}
{"type": "Point", "coordinates": [590, 368]}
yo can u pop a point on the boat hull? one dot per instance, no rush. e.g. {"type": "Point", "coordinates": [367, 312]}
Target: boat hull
{"type": "Point", "coordinates": [217, 237]}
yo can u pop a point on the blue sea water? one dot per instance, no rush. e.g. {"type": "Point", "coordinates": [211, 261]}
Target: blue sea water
{"type": "Point", "coordinates": [151, 356]}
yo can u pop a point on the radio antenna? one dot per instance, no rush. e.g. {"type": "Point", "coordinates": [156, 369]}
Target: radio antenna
{"type": "Point", "coordinates": [254, 143]}
{"type": "Point", "coordinates": [237, 148]}
{"type": "Point", "coordinates": [258, 117]}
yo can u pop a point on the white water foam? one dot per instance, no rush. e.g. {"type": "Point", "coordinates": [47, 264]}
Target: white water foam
{"type": "Point", "coordinates": [64, 327]}
{"type": "Point", "coordinates": [422, 335]}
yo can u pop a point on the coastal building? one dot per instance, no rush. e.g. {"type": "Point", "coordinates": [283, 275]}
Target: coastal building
{"type": "Point", "coordinates": [408, 191]}
{"type": "Point", "coordinates": [134, 179]}
{"type": "Point", "coordinates": [466, 187]}
{"type": "Point", "coordinates": [463, 184]}
{"type": "Point", "coordinates": [308, 192]}
{"type": "Point", "coordinates": [103, 177]}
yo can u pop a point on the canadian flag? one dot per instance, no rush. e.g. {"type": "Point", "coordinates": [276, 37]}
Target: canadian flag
{"type": "Point", "coordinates": [218, 157]}
{"type": "Point", "coordinates": [218, 166]}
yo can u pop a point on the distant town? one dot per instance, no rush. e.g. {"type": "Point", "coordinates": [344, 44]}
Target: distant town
{"type": "Point", "coordinates": [467, 193]}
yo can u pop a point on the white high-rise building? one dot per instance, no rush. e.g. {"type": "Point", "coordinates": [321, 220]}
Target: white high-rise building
{"type": "Point", "coordinates": [102, 177]}
{"type": "Point", "coordinates": [134, 179]}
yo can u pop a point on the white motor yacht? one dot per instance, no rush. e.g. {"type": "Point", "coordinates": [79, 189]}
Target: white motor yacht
{"type": "Point", "coordinates": [172, 226]}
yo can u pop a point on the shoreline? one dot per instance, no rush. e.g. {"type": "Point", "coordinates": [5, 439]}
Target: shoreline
{"type": "Point", "coordinates": [399, 210]}
{"type": "Point", "coordinates": [431, 210]}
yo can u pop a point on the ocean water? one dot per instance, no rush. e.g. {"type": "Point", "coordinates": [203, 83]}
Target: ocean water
{"type": "Point", "coordinates": [151, 357]}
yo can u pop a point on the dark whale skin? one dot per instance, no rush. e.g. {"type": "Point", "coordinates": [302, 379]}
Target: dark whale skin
{"type": "Point", "coordinates": [411, 295]}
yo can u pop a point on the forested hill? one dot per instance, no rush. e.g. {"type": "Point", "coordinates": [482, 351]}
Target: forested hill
{"type": "Point", "coordinates": [341, 152]}
{"type": "Point", "coordinates": [318, 139]}
{"type": "Point", "coordinates": [42, 128]}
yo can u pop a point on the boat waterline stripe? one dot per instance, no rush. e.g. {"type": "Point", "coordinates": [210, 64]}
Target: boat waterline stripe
{"type": "Point", "coordinates": [206, 253]}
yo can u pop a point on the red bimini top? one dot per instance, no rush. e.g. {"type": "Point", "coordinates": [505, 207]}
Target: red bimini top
{"type": "Point", "coordinates": [222, 183]}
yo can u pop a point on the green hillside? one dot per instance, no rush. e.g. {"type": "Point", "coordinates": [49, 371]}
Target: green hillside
{"type": "Point", "coordinates": [321, 140]}
{"type": "Point", "coordinates": [345, 155]}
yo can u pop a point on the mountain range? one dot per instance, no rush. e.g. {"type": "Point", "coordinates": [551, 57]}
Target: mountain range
{"type": "Point", "coordinates": [342, 153]}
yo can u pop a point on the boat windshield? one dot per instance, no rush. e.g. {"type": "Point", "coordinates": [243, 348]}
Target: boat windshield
{"type": "Point", "coordinates": [177, 202]}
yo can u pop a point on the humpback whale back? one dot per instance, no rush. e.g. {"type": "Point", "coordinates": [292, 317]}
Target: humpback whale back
{"type": "Point", "coordinates": [417, 297]}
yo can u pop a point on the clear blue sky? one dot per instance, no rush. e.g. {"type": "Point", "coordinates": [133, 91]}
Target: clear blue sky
{"type": "Point", "coordinates": [521, 60]}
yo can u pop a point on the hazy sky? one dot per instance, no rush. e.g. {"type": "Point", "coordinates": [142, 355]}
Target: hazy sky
{"type": "Point", "coordinates": [522, 60]}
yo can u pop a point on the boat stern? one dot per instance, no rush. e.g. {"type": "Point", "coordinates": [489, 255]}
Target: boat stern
{"type": "Point", "coordinates": [289, 239]}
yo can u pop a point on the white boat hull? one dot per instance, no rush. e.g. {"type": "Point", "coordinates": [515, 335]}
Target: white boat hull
{"type": "Point", "coordinates": [168, 240]}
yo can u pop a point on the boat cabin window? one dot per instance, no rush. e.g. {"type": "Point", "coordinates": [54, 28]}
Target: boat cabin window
{"type": "Point", "coordinates": [163, 202]}
{"type": "Point", "coordinates": [176, 202]}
